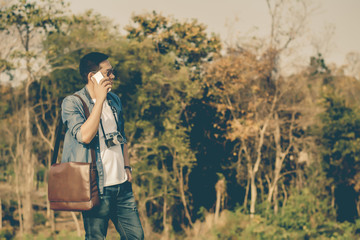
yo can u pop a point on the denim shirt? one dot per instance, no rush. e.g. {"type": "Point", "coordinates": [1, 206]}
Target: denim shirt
{"type": "Point", "coordinates": [73, 115]}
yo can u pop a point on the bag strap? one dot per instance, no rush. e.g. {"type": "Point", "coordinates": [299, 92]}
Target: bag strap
{"type": "Point", "coordinates": [59, 132]}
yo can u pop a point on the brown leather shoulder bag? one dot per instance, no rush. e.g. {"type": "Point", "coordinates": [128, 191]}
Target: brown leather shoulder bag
{"type": "Point", "coordinates": [72, 185]}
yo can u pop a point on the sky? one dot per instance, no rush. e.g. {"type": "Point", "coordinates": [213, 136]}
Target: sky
{"type": "Point", "coordinates": [333, 21]}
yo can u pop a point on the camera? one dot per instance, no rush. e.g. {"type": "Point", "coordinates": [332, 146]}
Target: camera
{"type": "Point", "coordinates": [113, 139]}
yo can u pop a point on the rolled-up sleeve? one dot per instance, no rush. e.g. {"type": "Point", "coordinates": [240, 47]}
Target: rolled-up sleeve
{"type": "Point", "coordinates": [73, 116]}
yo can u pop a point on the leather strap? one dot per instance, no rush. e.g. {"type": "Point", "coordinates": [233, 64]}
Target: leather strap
{"type": "Point", "coordinates": [59, 136]}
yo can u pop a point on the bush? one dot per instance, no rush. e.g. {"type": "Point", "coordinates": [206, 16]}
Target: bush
{"type": "Point", "coordinates": [39, 219]}
{"type": "Point", "coordinates": [7, 233]}
{"type": "Point", "coordinates": [302, 218]}
{"type": "Point", "coordinates": [311, 217]}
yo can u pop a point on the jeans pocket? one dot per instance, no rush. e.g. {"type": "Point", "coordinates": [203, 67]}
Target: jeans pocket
{"type": "Point", "coordinates": [128, 186]}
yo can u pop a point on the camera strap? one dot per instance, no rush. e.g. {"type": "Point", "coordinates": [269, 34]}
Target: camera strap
{"type": "Point", "coordinates": [102, 128]}
{"type": "Point", "coordinates": [113, 109]}
{"type": "Point", "coordinates": [115, 118]}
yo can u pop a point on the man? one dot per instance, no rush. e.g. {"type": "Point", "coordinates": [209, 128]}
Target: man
{"type": "Point", "coordinates": [103, 131]}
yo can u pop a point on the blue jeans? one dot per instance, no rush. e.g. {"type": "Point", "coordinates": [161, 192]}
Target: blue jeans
{"type": "Point", "coordinates": [118, 204]}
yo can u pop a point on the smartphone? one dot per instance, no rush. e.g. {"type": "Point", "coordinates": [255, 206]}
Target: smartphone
{"type": "Point", "coordinates": [98, 76]}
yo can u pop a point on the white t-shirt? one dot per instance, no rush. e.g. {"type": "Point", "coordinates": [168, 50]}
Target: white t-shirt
{"type": "Point", "coordinates": [112, 158]}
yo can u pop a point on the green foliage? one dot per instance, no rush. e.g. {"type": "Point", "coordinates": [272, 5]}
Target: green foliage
{"type": "Point", "coordinates": [40, 175]}
{"type": "Point", "coordinates": [22, 21]}
{"type": "Point", "coordinates": [7, 233]}
{"type": "Point", "coordinates": [308, 212]}
{"type": "Point", "coordinates": [9, 214]}
{"type": "Point", "coordinates": [7, 98]}
{"type": "Point", "coordinates": [318, 66]}
{"type": "Point", "coordinates": [340, 139]}
{"type": "Point", "coordinates": [5, 65]}
{"type": "Point", "coordinates": [201, 213]}
{"type": "Point", "coordinates": [188, 40]}
{"type": "Point", "coordinates": [304, 212]}
{"type": "Point", "coordinates": [61, 235]}
{"type": "Point", "coordinates": [160, 139]}
{"type": "Point", "coordinates": [27, 13]}
{"type": "Point", "coordinates": [39, 218]}
{"type": "Point", "coordinates": [237, 225]}
{"type": "Point", "coordinates": [80, 34]}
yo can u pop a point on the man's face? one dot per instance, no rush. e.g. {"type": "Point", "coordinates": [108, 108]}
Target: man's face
{"type": "Point", "coordinates": [107, 70]}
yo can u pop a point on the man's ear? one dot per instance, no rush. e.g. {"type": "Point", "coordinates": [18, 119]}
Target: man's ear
{"type": "Point", "coordinates": [89, 76]}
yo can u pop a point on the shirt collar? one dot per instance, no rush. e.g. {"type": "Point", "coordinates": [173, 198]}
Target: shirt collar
{"type": "Point", "coordinates": [87, 94]}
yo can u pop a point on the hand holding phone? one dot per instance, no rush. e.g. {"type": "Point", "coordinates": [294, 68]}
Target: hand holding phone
{"type": "Point", "coordinates": [98, 77]}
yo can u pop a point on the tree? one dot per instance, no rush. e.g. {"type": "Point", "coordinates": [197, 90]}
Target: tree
{"type": "Point", "coordinates": [159, 143]}
{"type": "Point", "coordinates": [188, 40]}
{"type": "Point", "coordinates": [251, 93]}
{"type": "Point", "coordinates": [164, 94]}
{"type": "Point", "coordinates": [11, 129]}
{"type": "Point", "coordinates": [341, 148]}
{"type": "Point", "coordinates": [26, 22]}
{"type": "Point", "coordinates": [250, 111]}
